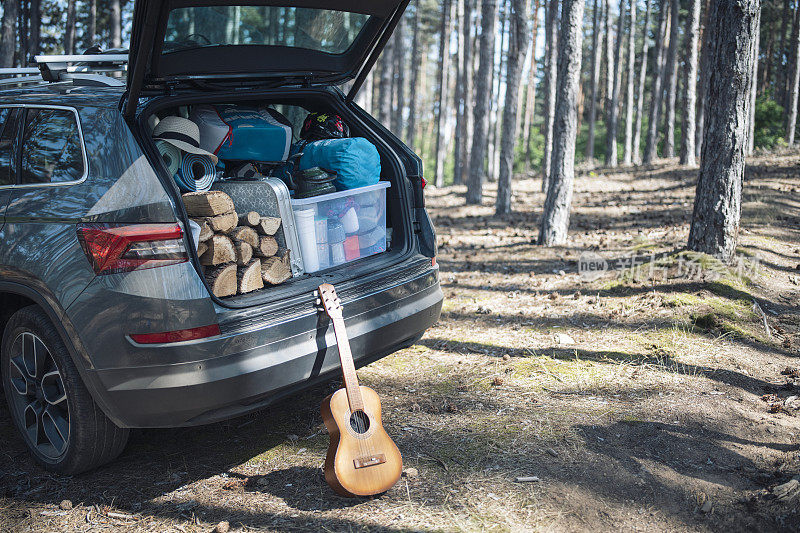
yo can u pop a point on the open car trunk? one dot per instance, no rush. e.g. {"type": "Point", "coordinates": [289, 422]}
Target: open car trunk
{"type": "Point", "coordinates": [295, 104]}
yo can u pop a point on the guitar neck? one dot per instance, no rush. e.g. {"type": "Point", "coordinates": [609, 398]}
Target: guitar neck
{"type": "Point", "coordinates": [348, 367]}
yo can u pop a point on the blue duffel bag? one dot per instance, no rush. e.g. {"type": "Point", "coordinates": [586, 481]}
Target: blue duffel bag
{"type": "Point", "coordinates": [355, 161]}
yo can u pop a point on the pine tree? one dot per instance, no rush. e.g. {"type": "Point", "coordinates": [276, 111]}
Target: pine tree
{"type": "Point", "coordinates": [550, 80]}
{"type": "Point", "coordinates": [595, 79]}
{"type": "Point", "coordinates": [8, 33]}
{"type": "Point", "coordinates": [671, 82]}
{"type": "Point", "coordinates": [717, 206]}
{"type": "Point", "coordinates": [613, 122]}
{"type": "Point", "coordinates": [517, 44]}
{"type": "Point", "coordinates": [464, 117]}
{"type": "Point", "coordinates": [530, 92]}
{"type": "Point", "coordinates": [627, 152]}
{"type": "Point", "coordinates": [637, 130]}
{"type": "Point", "coordinates": [477, 160]}
{"type": "Point", "coordinates": [651, 142]}
{"type": "Point", "coordinates": [611, 100]}
{"type": "Point", "coordinates": [116, 24]}
{"type": "Point", "coordinates": [555, 217]}
{"type": "Point", "coordinates": [411, 126]}
{"type": "Point", "coordinates": [794, 81]}
{"type": "Point", "coordinates": [690, 85]}
{"type": "Point", "coordinates": [443, 102]}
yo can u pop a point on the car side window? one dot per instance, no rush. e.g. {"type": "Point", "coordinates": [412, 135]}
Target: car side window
{"type": "Point", "coordinates": [51, 147]}
{"type": "Point", "coordinates": [8, 138]}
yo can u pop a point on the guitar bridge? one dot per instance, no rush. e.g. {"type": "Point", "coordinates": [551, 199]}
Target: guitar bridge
{"type": "Point", "coordinates": [369, 460]}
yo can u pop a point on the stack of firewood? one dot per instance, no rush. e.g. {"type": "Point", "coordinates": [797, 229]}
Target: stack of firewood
{"type": "Point", "coordinates": [239, 252]}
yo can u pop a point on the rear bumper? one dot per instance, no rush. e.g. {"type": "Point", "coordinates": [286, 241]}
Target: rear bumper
{"type": "Point", "coordinates": [262, 361]}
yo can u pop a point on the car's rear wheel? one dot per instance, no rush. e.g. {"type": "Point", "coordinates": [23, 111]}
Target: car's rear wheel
{"type": "Point", "coordinates": [60, 423]}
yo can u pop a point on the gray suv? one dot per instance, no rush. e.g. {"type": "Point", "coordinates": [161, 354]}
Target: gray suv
{"type": "Point", "coordinates": [107, 321]}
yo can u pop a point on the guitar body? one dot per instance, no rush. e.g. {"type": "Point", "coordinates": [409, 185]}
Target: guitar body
{"type": "Point", "coordinates": [361, 461]}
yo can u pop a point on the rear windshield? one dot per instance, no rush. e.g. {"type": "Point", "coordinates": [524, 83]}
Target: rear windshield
{"type": "Point", "coordinates": [315, 29]}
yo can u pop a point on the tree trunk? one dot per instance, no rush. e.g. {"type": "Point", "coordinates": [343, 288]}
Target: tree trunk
{"type": "Point", "coordinates": [116, 24]}
{"type": "Point", "coordinates": [595, 80]}
{"type": "Point", "coordinates": [705, 74]}
{"type": "Point", "coordinates": [411, 125]}
{"type": "Point", "coordinates": [463, 120]}
{"type": "Point", "coordinates": [610, 103]}
{"type": "Point", "coordinates": [34, 43]}
{"type": "Point", "coordinates": [385, 84]}
{"type": "Point", "coordinates": [91, 29]}
{"type": "Point", "coordinates": [8, 35]}
{"type": "Point", "coordinates": [400, 80]}
{"type": "Point", "coordinates": [651, 142]}
{"type": "Point", "coordinates": [717, 206]}
{"type": "Point", "coordinates": [69, 29]}
{"type": "Point", "coordinates": [751, 132]}
{"type": "Point", "coordinates": [780, 93]}
{"type": "Point", "coordinates": [794, 80]}
{"type": "Point", "coordinates": [550, 80]}
{"type": "Point", "coordinates": [611, 137]}
{"type": "Point", "coordinates": [672, 80]}
{"type": "Point", "coordinates": [637, 133]}
{"type": "Point", "coordinates": [22, 32]}
{"type": "Point", "coordinates": [530, 92]}
{"type": "Point", "coordinates": [555, 216]}
{"type": "Point", "coordinates": [482, 94]}
{"type": "Point", "coordinates": [627, 152]}
{"type": "Point", "coordinates": [690, 85]}
{"type": "Point", "coordinates": [498, 91]}
{"type": "Point", "coordinates": [517, 43]}
{"type": "Point", "coordinates": [444, 63]}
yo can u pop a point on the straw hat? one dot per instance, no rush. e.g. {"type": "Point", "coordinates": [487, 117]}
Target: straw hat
{"type": "Point", "coordinates": [181, 133]}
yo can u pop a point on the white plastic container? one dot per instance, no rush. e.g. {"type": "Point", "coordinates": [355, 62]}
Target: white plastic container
{"type": "Point", "coordinates": [304, 224]}
{"type": "Point", "coordinates": [362, 214]}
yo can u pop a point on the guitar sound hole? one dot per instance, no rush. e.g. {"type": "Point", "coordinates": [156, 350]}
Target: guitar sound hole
{"type": "Point", "coordinates": [359, 421]}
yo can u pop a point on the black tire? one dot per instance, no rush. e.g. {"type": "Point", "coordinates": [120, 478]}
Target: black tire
{"type": "Point", "coordinates": [57, 418]}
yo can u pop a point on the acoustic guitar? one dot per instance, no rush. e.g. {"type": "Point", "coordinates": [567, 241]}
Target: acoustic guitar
{"type": "Point", "coordinates": [362, 459]}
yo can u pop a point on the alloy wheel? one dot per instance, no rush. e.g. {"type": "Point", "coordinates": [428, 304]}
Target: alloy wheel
{"type": "Point", "coordinates": [38, 396]}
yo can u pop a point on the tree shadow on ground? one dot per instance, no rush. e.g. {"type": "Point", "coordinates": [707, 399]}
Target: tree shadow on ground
{"type": "Point", "coordinates": [662, 361]}
{"type": "Point", "coordinates": [706, 328]}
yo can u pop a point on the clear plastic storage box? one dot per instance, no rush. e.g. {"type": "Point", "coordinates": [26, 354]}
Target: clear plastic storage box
{"type": "Point", "coordinates": [342, 226]}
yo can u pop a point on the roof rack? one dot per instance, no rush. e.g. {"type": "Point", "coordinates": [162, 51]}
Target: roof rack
{"type": "Point", "coordinates": [79, 69]}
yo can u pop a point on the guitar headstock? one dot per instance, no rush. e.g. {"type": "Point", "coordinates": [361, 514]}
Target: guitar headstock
{"type": "Point", "coordinates": [329, 301]}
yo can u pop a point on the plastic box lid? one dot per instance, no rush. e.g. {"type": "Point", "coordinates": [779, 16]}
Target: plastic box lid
{"type": "Point", "coordinates": [341, 194]}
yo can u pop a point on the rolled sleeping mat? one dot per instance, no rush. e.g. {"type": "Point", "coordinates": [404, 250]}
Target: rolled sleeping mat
{"type": "Point", "coordinates": [196, 173]}
{"type": "Point", "coordinates": [170, 155]}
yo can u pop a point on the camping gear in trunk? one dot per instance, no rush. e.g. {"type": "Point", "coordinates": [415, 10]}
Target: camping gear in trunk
{"type": "Point", "coordinates": [241, 133]}
{"type": "Point", "coordinates": [355, 161]}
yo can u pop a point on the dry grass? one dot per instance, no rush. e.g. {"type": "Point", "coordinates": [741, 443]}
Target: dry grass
{"type": "Point", "coordinates": [634, 400]}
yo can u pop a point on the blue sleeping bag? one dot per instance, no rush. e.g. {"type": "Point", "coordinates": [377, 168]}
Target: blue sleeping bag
{"type": "Point", "coordinates": [355, 161]}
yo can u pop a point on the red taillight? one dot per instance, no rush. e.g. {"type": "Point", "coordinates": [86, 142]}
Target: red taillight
{"type": "Point", "coordinates": [434, 262]}
{"type": "Point", "coordinates": [112, 249]}
{"type": "Point", "coordinates": [424, 183]}
{"type": "Point", "coordinates": [177, 336]}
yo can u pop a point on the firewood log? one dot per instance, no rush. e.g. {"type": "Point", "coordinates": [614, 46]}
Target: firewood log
{"type": "Point", "coordinates": [223, 280]}
{"type": "Point", "coordinates": [201, 248]}
{"type": "Point", "coordinates": [251, 218]}
{"type": "Point", "coordinates": [267, 246]}
{"type": "Point", "coordinates": [220, 250]}
{"type": "Point", "coordinates": [207, 203]}
{"type": "Point", "coordinates": [244, 253]}
{"type": "Point", "coordinates": [223, 223]}
{"type": "Point", "coordinates": [249, 277]}
{"type": "Point", "coordinates": [205, 230]}
{"type": "Point", "coordinates": [275, 270]}
{"type": "Point", "coordinates": [245, 234]}
{"type": "Point", "coordinates": [268, 225]}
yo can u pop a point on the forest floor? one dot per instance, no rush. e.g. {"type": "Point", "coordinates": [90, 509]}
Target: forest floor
{"type": "Point", "coordinates": [657, 397]}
